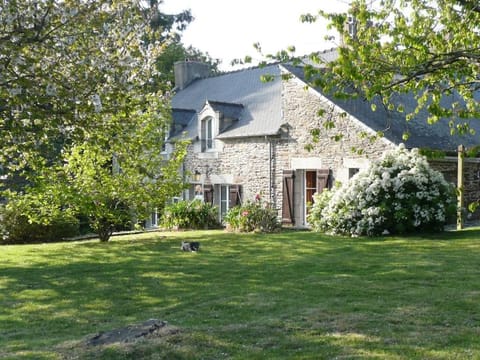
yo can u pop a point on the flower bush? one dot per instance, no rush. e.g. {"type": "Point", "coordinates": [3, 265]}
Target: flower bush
{"type": "Point", "coordinates": [190, 215]}
{"type": "Point", "coordinates": [398, 194]}
{"type": "Point", "coordinates": [252, 216]}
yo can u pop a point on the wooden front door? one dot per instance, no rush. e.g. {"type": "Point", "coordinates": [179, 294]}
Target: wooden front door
{"type": "Point", "coordinates": [310, 189]}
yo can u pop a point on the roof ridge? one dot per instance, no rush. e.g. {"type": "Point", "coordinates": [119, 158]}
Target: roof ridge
{"type": "Point", "coordinates": [183, 109]}
{"type": "Point", "coordinates": [223, 102]}
{"type": "Point", "coordinates": [253, 67]}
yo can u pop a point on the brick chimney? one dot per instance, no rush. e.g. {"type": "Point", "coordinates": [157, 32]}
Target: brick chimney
{"type": "Point", "coordinates": [187, 71]}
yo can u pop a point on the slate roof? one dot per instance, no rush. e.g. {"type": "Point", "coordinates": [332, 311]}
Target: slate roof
{"type": "Point", "coordinates": [325, 56]}
{"type": "Point", "coordinates": [261, 112]}
{"type": "Point", "coordinates": [229, 110]}
{"type": "Point", "coordinates": [181, 119]}
{"type": "Point", "coordinates": [393, 123]}
{"type": "Point", "coordinates": [182, 116]}
{"type": "Point", "coordinates": [258, 107]}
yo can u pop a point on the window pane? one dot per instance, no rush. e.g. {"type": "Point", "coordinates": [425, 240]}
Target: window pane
{"type": "Point", "coordinates": [311, 179]}
{"type": "Point", "coordinates": [223, 200]}
{"type": "Point", "coordinates": [209, 134]}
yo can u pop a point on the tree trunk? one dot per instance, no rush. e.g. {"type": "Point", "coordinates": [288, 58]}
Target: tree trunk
{"type": "Point", "coordinates": [104, 230]}
{"type": "Point", "coordinates": [104, 236]}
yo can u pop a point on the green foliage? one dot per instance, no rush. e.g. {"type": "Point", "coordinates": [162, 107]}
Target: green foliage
{"type": "Point", "coordinates": [176, 51]}
{"type": "Point", "coordinates": [252, 216]}
{"type": "Point", "coordinates": [46, 103]}
{"type": "Point", "coordinates": [429, 50]}
{"type": "Point", "coordinates": [15, 228]}
{"type": "Point", "coordinates": [397, 194]}
{"type": "Point", "coordinates": [194, 214]}
{"type": "Point", "coordinates": [86, 131]}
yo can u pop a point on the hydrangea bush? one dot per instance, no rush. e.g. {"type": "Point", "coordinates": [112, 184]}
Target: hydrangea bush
{"type": "Point", "coordinates": [398, 194]}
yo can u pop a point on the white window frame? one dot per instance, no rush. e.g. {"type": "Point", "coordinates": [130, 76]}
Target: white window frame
{"type": "Point", "coordinates": [224, 201]}
{"type": "Point", "coordinates": [207, 134]}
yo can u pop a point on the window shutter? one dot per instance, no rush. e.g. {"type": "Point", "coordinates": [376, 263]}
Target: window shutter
{"type": "Point", "coordinates": [208, 194]}
{"type": "Point", "coordinates": [234, 196]}
{"type": "Point", "coordinates": [323, 180]}
{"type": "Point", "coordinates": [287, 191]}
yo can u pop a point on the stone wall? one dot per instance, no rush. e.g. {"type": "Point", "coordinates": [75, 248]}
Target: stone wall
{"type": "Point", "coordinates": [242, 161]}
{"type": "Point", "coordinates": [449, 168]}
{"type": "Point", "coordinates": [257, 163]}
{"type": "Point", "coordinates": [338, 148]}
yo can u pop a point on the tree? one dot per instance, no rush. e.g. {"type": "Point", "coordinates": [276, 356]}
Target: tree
{"type": "Point", "coordinates": [76, 95]}
{"type": "Point", "coordinates": [176, 51]}
{"type": "Point", "coordinates": [64, 62]}
{"type": "Point", "coordinates": [114, 182]}
{"type": "Point", "coordinates": [427, 48]}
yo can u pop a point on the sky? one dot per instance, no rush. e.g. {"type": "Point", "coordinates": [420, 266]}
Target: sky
{"type": "Point", "coordinates": [227, 29]}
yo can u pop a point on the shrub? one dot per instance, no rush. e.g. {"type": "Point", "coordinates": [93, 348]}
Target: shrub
{"type": "Point", "coordinates": [15, 228]}
{"type": "Point", "coordinates": [252, 216]}
{"type": "Point", "coordinates": [190, 215]}
{"type": "Point", "coordinates": [398, 194]}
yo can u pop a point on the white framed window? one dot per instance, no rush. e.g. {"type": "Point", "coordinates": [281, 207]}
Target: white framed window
{"type": "Point", "coordinates": [207, 134]}
{"type": "Point", "coordinates": [224, 200]}
{"type": "Point", "coordinates": [230, 196]}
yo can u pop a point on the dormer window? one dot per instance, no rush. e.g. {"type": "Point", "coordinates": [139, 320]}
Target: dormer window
{"type": "Point", "coordinates": [207, 134]}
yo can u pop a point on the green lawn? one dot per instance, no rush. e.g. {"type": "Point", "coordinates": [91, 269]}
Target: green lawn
{"type": "Point", "coordinates": [292, 295]}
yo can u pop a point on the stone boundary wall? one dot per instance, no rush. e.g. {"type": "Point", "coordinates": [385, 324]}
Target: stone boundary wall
{"type": "Point", "coordinates": [448, 166]}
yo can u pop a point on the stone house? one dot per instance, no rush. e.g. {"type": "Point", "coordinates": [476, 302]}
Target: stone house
{"type": "Point", "coordinates": [249, 137]}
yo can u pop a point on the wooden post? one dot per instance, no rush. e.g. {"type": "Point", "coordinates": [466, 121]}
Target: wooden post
{"type": "Point", "coordinates": [460, 189]}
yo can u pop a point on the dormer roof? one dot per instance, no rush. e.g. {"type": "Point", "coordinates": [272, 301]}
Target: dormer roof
{"type": "Point", "coordinates": [239, 95]}
{"type": "Point", "coordinates": [181, 118]}
{"type": "Point", "coordinates": [229, 110]}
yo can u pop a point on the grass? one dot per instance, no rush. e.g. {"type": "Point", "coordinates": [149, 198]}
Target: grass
{"type": "Point", "coordinates": [292, 295]}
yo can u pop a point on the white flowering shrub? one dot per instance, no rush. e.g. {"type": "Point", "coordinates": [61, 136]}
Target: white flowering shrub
{"type": "Point", "coordinates": [398, 194]}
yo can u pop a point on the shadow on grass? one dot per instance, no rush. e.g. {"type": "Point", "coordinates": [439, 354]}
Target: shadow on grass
{"type": "Point", "coordinates": [277, 296]}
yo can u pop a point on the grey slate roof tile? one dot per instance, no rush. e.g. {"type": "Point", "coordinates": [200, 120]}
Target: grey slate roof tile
{"type": "Point", "coordinates": [181, 118]}
{"type": "Point", "coordinates": [229, 110]}
{"type": "Point", "coordinates": [393, 123]}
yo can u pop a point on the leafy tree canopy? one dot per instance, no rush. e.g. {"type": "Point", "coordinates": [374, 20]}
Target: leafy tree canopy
{"type": "Point", "coordinates": [428, 48]}
{"type": "Point", "coordinates": [65, 64]}
{"type": "Point", "coordinates": [176, 51]}
{"type": "Point", "coordinates": [79, 92]}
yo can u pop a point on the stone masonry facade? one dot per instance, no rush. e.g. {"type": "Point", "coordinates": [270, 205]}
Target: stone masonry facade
{"type": "Point", "coordinates": [257, 163]}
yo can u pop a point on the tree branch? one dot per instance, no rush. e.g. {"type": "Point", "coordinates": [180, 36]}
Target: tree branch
{"type": "Point", "coordinates": [470, 4]}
